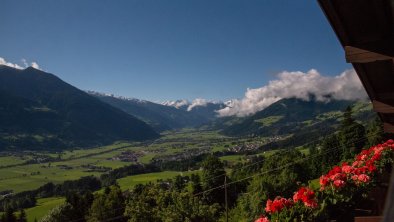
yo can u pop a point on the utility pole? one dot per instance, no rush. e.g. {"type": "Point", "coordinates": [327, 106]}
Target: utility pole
{"type": "Point", "coordinates": [225, 196]}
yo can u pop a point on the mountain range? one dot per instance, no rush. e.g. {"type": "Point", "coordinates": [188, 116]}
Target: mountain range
{"type": "Point", "coordinates": [296, 120]}
{"type": "Point", "coordinates": [40, 111]}
{"type": "Point", "coordinates": [162, 117]}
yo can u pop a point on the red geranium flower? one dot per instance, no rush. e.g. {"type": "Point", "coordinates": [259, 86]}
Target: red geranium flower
{"type": "Point", "coordinates": [262, 219]}
{"type": "Point", "coordinates": [307, 196]}
{"type": "Point", "coordinates": [339, 183]}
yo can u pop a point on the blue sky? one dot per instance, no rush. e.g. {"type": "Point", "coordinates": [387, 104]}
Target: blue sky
{"type": "Point", "coordinates": [170, 49]}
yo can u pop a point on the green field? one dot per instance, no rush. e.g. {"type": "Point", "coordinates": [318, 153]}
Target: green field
{"type": "Point", "coordinates": [44, 205]}
{"type": "Point", "coordinates": [72, 163]}
{"type": "Point", "coordinates": [268, 121]}
{"type": "Point", "coordinates": [232, 158]}
{"type": "Point", "coordinates": [32, 176]}
{"type": "Point", "coordinates": [11, 160]}
{"type": "Point", "coordinates": [130, 181]}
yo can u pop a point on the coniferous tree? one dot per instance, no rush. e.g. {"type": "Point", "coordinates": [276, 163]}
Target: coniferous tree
{"type": "Point", "coordinates": [2, 219]}
{"type": "Point", "coordinates": [351, 136]}
{"type": "Point", "coordinates": [213, 176]}
{"type": "Point", "coordinates": [331, 152]}
{"type": "Point", "coordinates": [9, 215]}
{"type": "Point", "coordinates": [375, 132]}
{"type": "Point", "coordinates": [179, 183]}
{"type": "Point", "coordinates": [315, 167]}
{"type": "Point", "coordinates": [196, 183]}
{"type": "Point", "coordinates": [22, 216]}
{"type": "Point", "coordinates": [107, 206]}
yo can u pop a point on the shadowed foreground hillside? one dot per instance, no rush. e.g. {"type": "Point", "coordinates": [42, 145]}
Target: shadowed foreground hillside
{"type": "Point", "coordinates": [40, 111]}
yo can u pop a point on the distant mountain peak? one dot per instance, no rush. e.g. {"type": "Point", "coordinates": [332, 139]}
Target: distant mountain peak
{"type": "Point", "coordinates": [176, 103]}
{"type": "Point", "coordinates": [95, 93]}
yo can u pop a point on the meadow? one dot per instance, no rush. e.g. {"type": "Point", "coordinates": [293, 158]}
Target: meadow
{"type": "Point", "coordinates": [76, 163]}
{"type": "Point", "coordinates": [73, 164]}
{"type": "Point", "coordinates": [44, 205]}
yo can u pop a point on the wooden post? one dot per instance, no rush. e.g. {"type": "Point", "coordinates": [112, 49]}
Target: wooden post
{"type": "Point", "coordinates": [225, 196]}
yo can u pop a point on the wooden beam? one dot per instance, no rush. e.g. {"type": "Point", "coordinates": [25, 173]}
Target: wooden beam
{"type": "Point", "coordinates": [385, 96]}
{"type": "Point", "coordinates": [388, 128]}
{"type": "Point", "coordinates": [368, 219]}
{"type": "Point", "coordinates": [358, 55]}
{"type": "Point", "coordinates": [381, 107]}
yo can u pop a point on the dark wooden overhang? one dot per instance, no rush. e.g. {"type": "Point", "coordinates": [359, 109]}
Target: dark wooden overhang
{"type": "Point", "coordinates": [365, 29]}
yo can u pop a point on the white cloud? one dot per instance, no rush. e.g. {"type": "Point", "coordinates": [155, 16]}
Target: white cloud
{"type": "Point", "coordinates": [3, 62]}
{"type": "Point", "coordinates": [299, 85]}
{"type": "Point", "coordinates": [197, 102]}
{"type": "Point", "coordinates": [25, 62]}
{"type": "Point", "coordinates": [35, 65]}
{"type": "Point", "coordinates": [177, 103]}
{"type": "Point", "coordinates": [17, 66]}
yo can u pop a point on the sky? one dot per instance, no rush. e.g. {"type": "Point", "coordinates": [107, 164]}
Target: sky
{"type": "Point", "coordinates": [170, 49]}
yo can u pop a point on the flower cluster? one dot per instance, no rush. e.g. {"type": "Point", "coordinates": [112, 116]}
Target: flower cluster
{"type": "Point", "coordinates": [359, 172]}
{"type": "Point", "coordinates": [278, 204]}
{"type": "Point", "coordinates": [347, 175]}
{"type": "Point", "coordinates": [307, 196]}
{"type": "Point", "coordinates": [262, 219]}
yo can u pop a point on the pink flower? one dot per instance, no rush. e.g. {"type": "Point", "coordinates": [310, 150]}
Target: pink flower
{"type": "Point", "coordinates": [339, 183]}
{"type": "Point", "coordinates": [311, 203]}
{"type": "Point", "coordinates": [363, 178]}
{"type": "Point", "coordinates": [262, 219]}
{"type": "Point", "coordinates": [338, 176]}
{"type": "Point", "coordinates": [323, 181]}
{"type": "Point", "coordinates": [347, 169]}
{"type": "Point", "coordinates": [357, 163]}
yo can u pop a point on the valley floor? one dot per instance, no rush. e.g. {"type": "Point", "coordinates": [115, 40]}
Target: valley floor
{"type": "Point", "coordinates": [29, 170]}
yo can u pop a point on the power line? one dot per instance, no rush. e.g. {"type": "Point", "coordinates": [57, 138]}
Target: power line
{"type": "Point", "coordinates": [282, 167]}
{"type": "Point", "coordinates": [245, 178]}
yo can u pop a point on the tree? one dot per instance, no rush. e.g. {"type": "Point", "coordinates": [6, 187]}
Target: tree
{"type": "Point", "coordinates": [375, 132]}
{"type": "Point", "coordinates": [213, 176]}
{"type": "Point", "coordinates": [352, 135]}
{"type": "Point", "coordinates": [9, 215]}
{"type": "Point", "coordinates": [59, 214]}
{"type": "Point", "coordinates": [315, 164]}
{"type": "Point", "coordinates": [186, 207]}
{"type": "Point", "coordinates": [107, 206]}
{"type": "Point", "coordinates": [22, 216]}
{"type": "Point", "coordinates": [331, 152]}
{"type": "Point", "coordinates": [146, 203]}
{"type": "Point", "coordinates": [80, 203]}
{"type": "Point", "coordinates": [179, 183]}
{"type": "Point", "coordinates": [196, 183]}
{"type": "Point", "coordinates": [2, 219]}
{"type": "Point", "coordinates": [269, 184]}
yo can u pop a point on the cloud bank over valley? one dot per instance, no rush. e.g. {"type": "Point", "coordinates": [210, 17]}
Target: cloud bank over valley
{"type": "Point", "coordinates": [345, 86]}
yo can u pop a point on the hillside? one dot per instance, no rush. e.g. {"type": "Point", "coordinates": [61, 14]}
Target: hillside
{"type": "Point", "coordinates": [298, 118]}
{"type": "Point", "coordinates": [40, 111]}
{"type": "Point", "coordinates": [161, 117]}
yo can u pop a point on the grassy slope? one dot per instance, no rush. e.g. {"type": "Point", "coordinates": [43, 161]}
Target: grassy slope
{"type": "Point", "coordinates": [44, 205]}
{"type": "Point", "coordinates": [131, 181]}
